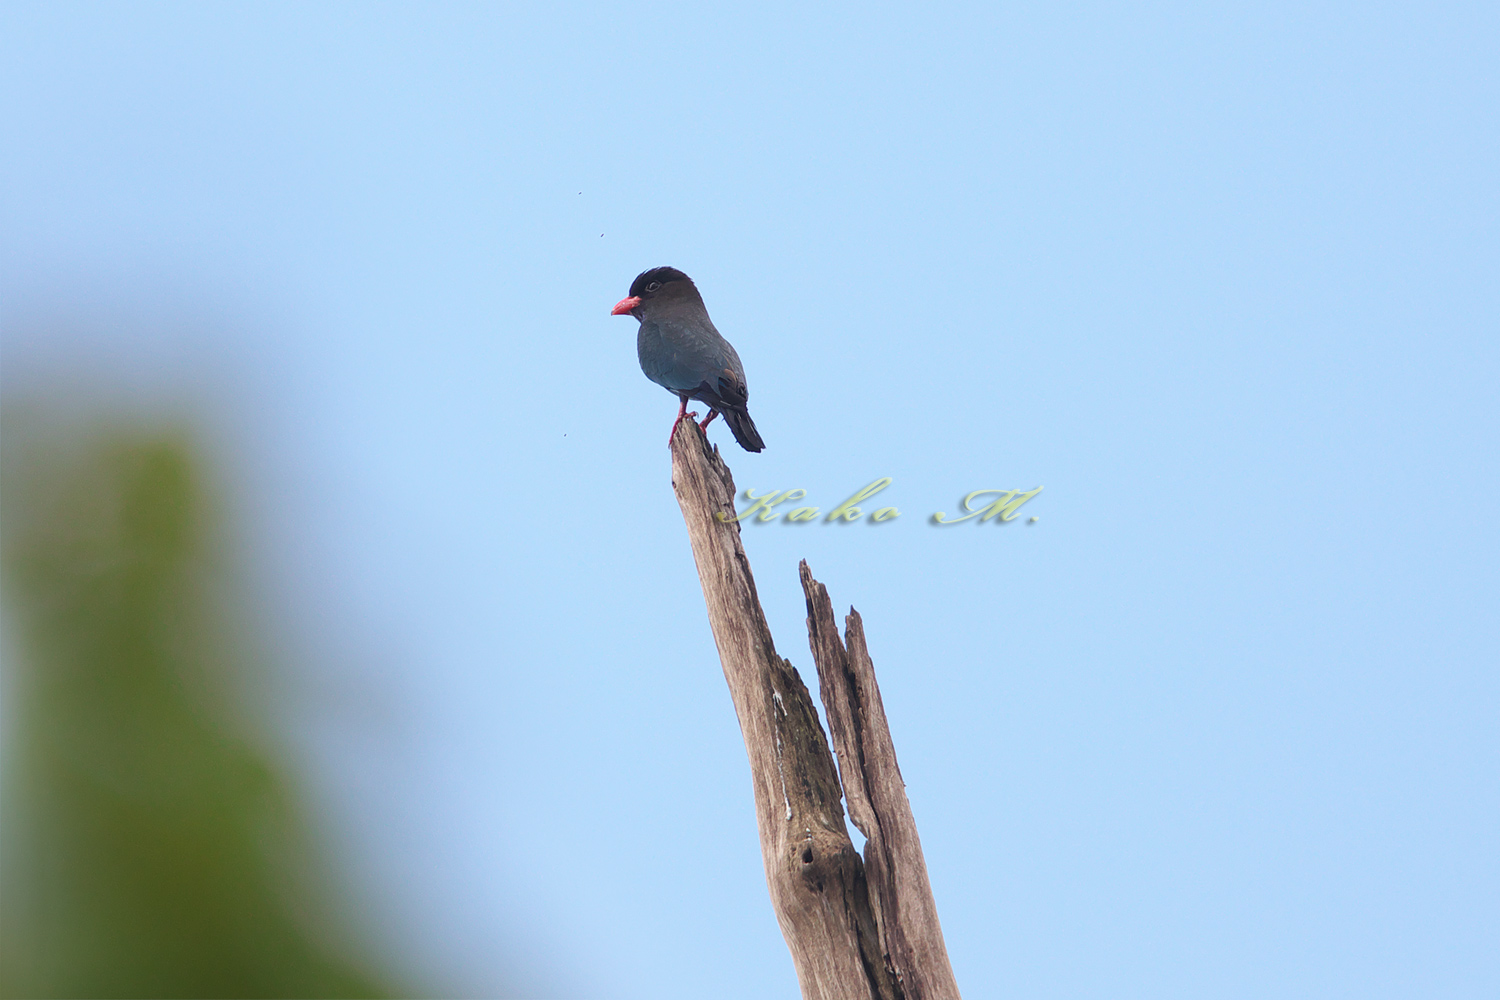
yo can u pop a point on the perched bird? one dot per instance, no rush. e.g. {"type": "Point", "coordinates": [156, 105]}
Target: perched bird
{"type": "Point", "coordinates": [682, 352]}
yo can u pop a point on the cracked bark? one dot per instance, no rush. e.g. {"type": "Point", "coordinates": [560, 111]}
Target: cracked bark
{"type": "Point", "coordinates": [910, 936]}
{"type": "Point", "coordinates": [817, 880]}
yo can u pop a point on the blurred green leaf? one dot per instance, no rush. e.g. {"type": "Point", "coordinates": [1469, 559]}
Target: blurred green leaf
{"type": "Point", "coordinates": [150, 847]}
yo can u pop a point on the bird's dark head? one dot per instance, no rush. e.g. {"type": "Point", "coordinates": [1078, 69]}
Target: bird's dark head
{"type": "Point", "coordinates": [659, 283]}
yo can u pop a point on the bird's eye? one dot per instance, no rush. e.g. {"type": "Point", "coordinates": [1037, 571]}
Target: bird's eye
{"type": "Point", "coordinates": [653, 286]}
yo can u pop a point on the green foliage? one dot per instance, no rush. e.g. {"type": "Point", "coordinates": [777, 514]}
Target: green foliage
{"type": "Point", "coordinates": [149, 846]}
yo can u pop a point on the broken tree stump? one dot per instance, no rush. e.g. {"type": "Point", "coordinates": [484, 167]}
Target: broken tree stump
{"type": "Point", "coordinates": [829, 917]}
{"type": "Point", "coordinates": [910, 936]}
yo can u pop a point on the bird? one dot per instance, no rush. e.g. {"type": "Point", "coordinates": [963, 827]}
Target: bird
{"type": "Point", "coordinates": [681, 351]}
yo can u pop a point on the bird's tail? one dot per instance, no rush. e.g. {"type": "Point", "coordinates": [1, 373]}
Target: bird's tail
{"type": "Point", "coordinates": [744, 429]}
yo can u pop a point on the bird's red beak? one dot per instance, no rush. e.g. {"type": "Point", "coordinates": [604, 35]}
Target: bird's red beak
{"type": "Point", "coordinates": [625, 306]}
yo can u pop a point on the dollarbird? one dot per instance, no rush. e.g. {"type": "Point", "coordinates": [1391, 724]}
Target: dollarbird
{"type": "Point", "coordinates": [681, 351]}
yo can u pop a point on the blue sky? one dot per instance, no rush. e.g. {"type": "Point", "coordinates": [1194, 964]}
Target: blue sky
{"type": "Point", "coordinates": [1220, 278]}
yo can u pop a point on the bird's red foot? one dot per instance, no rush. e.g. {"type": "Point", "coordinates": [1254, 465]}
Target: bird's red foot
{"type": "Point", "coordinates": [704, 426]}
{"type": "Point", "coordinates": [690, 414]}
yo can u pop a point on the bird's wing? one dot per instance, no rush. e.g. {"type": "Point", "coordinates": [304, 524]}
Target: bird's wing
{"type": "Point", "coordinates": [730, 388]}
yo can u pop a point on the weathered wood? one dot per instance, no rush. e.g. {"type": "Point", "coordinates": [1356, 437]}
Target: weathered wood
{"type": "Point", "coordinates": [910, 936]}
{"type": "Point", "coordinates": [816, 878]}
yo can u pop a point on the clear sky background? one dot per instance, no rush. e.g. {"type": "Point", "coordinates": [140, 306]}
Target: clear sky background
{"type": "Point", "coordinates": [1221, 278]}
